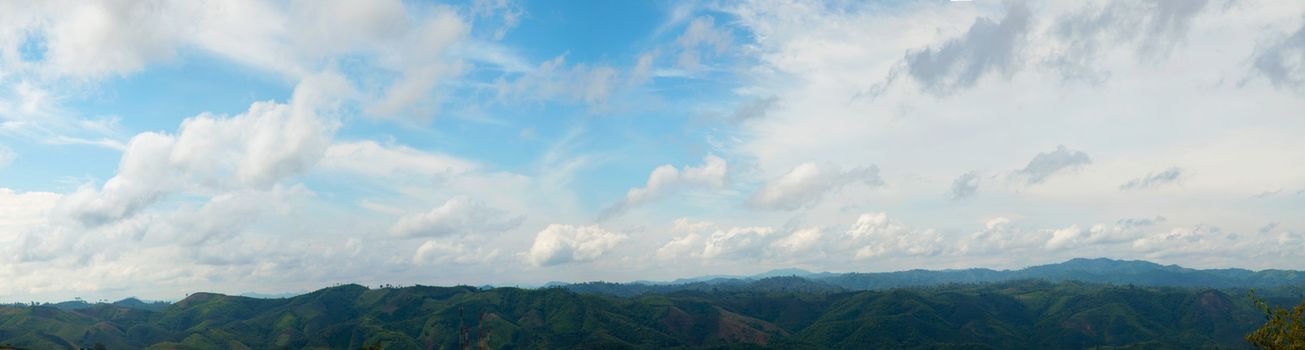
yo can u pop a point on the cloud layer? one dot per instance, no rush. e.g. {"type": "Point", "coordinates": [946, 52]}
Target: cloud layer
{"type": "Point", "coordinates": [808, 182]}
{"type": "Point", "coordinates": [157, 148]}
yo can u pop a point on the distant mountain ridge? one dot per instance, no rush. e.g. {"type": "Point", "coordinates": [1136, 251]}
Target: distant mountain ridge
{"type": "Point", "coordinates": [781, 312]}
{"type": "Point", "coordinates": [1094, 270]}
{"type": "Point", "coordinates": [1075, 304]}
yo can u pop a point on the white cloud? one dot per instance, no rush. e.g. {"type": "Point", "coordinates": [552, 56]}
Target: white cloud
{"type": "Point", "coordinates": [999, 236]}
{"type": "Point", "coordinates": [1180, 240]}
{"type": "Point", "coordinates": [374, 159]}
{"type": "Point", "coordinates": [686, 225]}
{"type": "Point", "coordinates": [33, 112]}
{"type": "Point", "coordinates": [666, 178]}
{"type": "Point", "coordinates": [1073, 236]}
{"type": "Point", "coordinates": [803, 240]}
{"type": "Point", "coordinates": [747, 242]}
{"type": "Point", "coordinates": [433, 252]}
{"type": "Point", "coordinates": [20, 212]}
{"type": "Point", "coordinates": [705, 241]}
{"type": "Point", "coordinates": [554, 80]}
{"type": "Point", "coordinates": [875, 235]}
{"type": "Point", "coordinates": [225, 216]}
{"type": "Point", "coordinates": [97, 38]}
{"type": "Point", "coordinates": [420, 59]}
{"type": "Point", "coordinates": [872, 235]}
{"type": "Point", "coordinates": [219, 201]}
{"type": "Point", "coordinates": [400, 52]}
{"type": "Point", "coordinates": [689, 245]}
{"type": "Point", "coordinates": [701, 34]}
{"type": "Point", "coordinates": [458, 216]}
{"type": "Point", "coordinates": [508, 12]}
{"type": "Point", "coordinates": [561, 244]}
{"type": "Point", "coordinates": [807, 183]}
{"type": "Point", "coordinates": [256, 149]}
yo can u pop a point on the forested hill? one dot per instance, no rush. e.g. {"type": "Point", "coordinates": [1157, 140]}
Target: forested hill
{"type": "Point", "coordinates": [947, 309]}
{"type": "Point", "coordinates": [1022, 314]}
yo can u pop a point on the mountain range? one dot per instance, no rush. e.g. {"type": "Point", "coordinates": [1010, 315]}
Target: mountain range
{"type": "Point", "coordinates": [1077, 304]}
{"type": "Point", "coordinates": [1098, 270]}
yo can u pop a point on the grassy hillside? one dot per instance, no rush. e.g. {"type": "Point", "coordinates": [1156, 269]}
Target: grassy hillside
{"type": "Point", "coordinates": [779, 312]}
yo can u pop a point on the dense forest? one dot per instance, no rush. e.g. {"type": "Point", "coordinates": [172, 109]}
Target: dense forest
{"type": "Point", "coordinates": [779, 311]}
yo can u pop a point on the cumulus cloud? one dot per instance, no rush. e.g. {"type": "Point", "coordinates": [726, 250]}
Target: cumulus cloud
{"type": "Point", "coordinates": [399, 49]}
{"type": "Point", "coordinates": [255, 149]}
{"type": "Point", "coordinates": [875, 235]}
{"type": "Point", "coordinates": [988, 47]}
{"type": "Point", "coordinates": [737, 242]}
{"type": "Point", "coordinates": [1283, 61]}
{"type": "Point", "coordinates": [1073, 236]}
{"type": "Point", "coordinates": [457, 217]}
{"type": "Point", "coordinates": [24, 211]}
{"type": "Point", "coordinates": [1000, 236]}
{"type": "Point", "coordinates": [872, 235]}
{"type": "Point", "coordinates": [1046, 164]}
{"type": "Point", "coordinates": [224, 216]}
{"type": "Point", "coordinates": [965, 185]}
{"type": "Point", "coordinates": [561, 244]}
{"type": "Point", "coordinates": [807, 183]}
{"type": "Point", "coordinates": [803, 240]}
{"type": "Point", "coordinates": [1183, 240]}
{"type": "Point", "coordinates": [98, 38]}
{"type": "Point", "coordinates": [1153, 180]}
{"type": "Point", "coordinates": [706, 241]}
{"type": "Point", "coordinates": [667, 178]}
{"type": "Point", "coordinates": [433, 252]}
{"type": "Point", "coordinates": [689, 245]}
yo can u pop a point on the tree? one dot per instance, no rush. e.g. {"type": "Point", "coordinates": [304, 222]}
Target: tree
{"type": "Point", "coordinates": [1283, 329]}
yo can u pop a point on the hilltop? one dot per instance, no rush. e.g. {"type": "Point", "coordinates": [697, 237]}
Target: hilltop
{"type": "Point", "coordinates": [1077, 304]}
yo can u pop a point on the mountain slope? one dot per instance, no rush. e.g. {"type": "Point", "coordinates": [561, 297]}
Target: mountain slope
{"type": "Point", "coordinates": [1016, 314]}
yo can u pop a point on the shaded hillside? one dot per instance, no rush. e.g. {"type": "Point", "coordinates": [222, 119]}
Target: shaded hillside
{"type": "Point", "coordinates": [770, 312]}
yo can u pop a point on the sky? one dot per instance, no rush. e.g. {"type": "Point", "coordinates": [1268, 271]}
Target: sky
{"type": "Point", "coordinates": [159, 148]}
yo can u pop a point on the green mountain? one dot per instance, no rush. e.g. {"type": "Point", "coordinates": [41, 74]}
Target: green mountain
{"type": "Point", "coordinates": [1020, 314]}
{"type": "Point", "coordinates": [1082, 303]}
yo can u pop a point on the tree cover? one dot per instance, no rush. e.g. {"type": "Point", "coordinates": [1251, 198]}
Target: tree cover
{"type": "Point", "coordinates": [804, 312]}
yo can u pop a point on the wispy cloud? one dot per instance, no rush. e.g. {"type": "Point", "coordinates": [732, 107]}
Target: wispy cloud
{"type": "Point", "coordinates": [1153, 180]}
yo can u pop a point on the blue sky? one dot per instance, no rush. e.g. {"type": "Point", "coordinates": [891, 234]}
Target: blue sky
{"type": "Point", "coordinates": [153, 149]}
